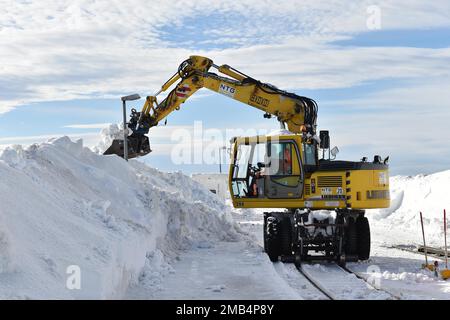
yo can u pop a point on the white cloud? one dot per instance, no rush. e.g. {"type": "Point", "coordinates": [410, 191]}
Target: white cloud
{"type": "Point", "coordinates": [409, 124]}
{"type": "Point", "coordinates": [62, 50]}
{"type": "Point", "coordinates": [88, 126]}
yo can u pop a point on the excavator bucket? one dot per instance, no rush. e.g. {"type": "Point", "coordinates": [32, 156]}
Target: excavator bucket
{"type": "Point", "coordinates": [138, 146]}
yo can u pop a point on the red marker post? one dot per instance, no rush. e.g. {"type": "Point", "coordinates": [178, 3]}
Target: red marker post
{"type": "Point", "coordinates": [445, 274]}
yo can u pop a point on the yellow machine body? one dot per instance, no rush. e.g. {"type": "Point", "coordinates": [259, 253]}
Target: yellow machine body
{"type": "Point", "coordinates": [325, 184]}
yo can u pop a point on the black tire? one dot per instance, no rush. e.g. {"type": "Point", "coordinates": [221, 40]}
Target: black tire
{"type": "Point", "coordinates": [363, 232]}
{"type": "Point", "coordinates": [298, 259]}
{"type": "Point", "coordinates": [273, 249]}
{"type": "Point", "coordinates": [286, 236]}
{"type": "Point", "coordinates": [265, 233]}
{"type": "Point", "coordinates": [272, 242]}
{"type": "Point", "coordinates": [341, 261]}
{"type": "Point", "coordinates": [351, 238]}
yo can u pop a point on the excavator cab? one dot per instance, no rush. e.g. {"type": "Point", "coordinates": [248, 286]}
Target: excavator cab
{"type": "Point", "coordinates": [285, 171]}
{"type": "Point", "coordinates": [267, 167]}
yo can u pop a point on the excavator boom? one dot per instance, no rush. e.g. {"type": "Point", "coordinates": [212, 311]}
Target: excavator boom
{"type": "Point", "coordinates": [297, 112]}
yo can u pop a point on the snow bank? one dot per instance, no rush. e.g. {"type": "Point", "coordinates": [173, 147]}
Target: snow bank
{"type": "Point", "coordinates": [409, 196]}
{"type": "Point", "coordinates": [64, 205]}
{"type": "Point", "coordinates": [108, 134]}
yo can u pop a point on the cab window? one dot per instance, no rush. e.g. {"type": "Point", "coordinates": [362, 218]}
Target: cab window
{"type": "Point", "coordinates": [281, 159]}
{"type": "Point", "coordinates": [284, 164]}
{"type": "Point", "coordinates": [242, 161]}
{"type": "Point", "coordinates": [309, 152]}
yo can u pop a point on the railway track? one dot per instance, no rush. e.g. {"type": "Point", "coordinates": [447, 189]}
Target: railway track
{"type": "Point", "coordinates": [335, 283]}
{"type": "Point", "coordinates": [394, 297]}
{"type": "Point", "coordinates": [330, 293]}
{"type": "Point", "coordinates": [316, 284]}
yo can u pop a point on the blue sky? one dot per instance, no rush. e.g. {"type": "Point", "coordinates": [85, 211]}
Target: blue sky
{"type": "Point", "coordinates": [380, 90]}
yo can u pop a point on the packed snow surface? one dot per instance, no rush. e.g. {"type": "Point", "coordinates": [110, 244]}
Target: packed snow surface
{"type": "Point", "coordinates": [120, 223]}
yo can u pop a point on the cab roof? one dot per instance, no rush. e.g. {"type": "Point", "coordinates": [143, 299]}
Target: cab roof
{"type": "Point", "coordinates": [264, 138]}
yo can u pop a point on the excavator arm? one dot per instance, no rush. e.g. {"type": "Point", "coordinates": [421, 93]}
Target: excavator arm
{"type": "Point", "coordinates": [298, 112]}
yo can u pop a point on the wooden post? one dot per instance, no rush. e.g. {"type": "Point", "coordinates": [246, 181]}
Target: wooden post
{"type": "Point", "coordinates": [424, 243]}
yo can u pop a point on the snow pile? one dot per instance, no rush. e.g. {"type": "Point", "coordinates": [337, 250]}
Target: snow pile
{"type": "Point", "coordinates": [108, 134]}
{"type": "Point", "coordinates": [410, 277]}
{"type": "Point", "coordinates": [120, 223]}
{"type": "Point", "coordinates": [409, 196]}
{"type": "Point", "coordinates": [6, 263]}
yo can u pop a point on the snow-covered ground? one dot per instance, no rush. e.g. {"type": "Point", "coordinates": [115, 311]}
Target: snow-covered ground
{"type": "Point", "coordinates": [410, 195]}
{"type": "Point", "coordinates": [137, 233]}
{"type": "Point", "coordinates": [64, 205]}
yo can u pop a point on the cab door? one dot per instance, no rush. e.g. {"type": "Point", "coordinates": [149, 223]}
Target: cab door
{"type": "Point", "coordinates": [284, 179]}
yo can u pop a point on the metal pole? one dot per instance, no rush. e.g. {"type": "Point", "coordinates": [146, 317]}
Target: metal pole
{"type": "Point", "coordinates": [125, 131]}
{"type": "Point", "coordinates": [424, 244]}
{"type": "Point", "coordinates": [329, 148]}
{"type": "Point", "coordinates": [220, 160]}
{"type": "Point", "coordinates": [445, 239]}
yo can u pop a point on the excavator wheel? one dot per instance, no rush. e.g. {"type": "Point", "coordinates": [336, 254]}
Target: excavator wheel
{"type": "Point", "coordinates": [286, 236]}
{"type": "Point", "coordinates": [273, 250]}
{"type": "Point", "coordinates": [351, 238]}
{"type": "Point", "coordinates": [341, 260]}
{"type": "Point", "coordinates": [298, 259]}
{"type": "Point", "coordinates": [272, 238]}
{"type": "Point", "coordinates": [363, 234]}
{"type": "Point", "coordinates": [265, 233]}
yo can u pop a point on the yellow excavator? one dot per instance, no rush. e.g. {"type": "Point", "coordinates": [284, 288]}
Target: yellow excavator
{"type": "Point", "coordinates": [324, 200]}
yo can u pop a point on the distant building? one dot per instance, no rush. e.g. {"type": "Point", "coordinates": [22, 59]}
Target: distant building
{"type": "Point", "coordinates": [217, 183]}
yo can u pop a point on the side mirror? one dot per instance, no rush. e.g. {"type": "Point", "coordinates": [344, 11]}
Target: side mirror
{"type": "Point", "coordinates": [334, 152]}
{"type": "Point", "coordinates": [261, 165]}
{"type": "Point", "coordinates": [324, 139]}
